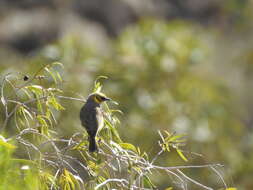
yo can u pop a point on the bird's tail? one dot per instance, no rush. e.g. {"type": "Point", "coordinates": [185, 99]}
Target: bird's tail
{"type": "Point", "coordinates": [92, 144]}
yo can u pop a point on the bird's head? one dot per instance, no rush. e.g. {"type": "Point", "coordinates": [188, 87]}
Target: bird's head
{"type": "Point", "coordinates": [98, 97]}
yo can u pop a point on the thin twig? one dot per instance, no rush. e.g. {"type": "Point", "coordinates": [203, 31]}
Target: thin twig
{"type": "Point", "coordinates": [184, 184]}
{"type": "Point", "coordinates": [220, 176]}
{"type": "Point", "coordinates": [156, 156]}
{"type": "Point", "coordinates": [194, 181]}
{"type": "Point", "coordinates": [122, 181]}
{"type": "Point", "coordinates": [187, 167]}
{"type": "Point", "coordinates": [55, 176]}
{"type": "Point", "coordinates": [71, 98]}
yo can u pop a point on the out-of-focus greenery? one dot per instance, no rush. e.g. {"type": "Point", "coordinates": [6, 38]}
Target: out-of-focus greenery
{"type": "Point", "coordinates": [31, 105]}
{"type": "Point", "coordinates": [159, 72]}
{"type": "Point", "coordinates": [16, 173]}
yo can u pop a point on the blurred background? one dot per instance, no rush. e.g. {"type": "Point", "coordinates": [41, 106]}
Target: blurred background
{"type": "Point", "coordinates": [179, 65]}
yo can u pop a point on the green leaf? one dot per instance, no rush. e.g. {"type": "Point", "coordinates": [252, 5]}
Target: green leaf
{"type": "Point", "coordinates": [174, 138]}
{"type": "Point", "coordinates": [54, 90]}
{"type": "Point", "coordinates": [36, 89]}
{"type": "Point", "coordinates": [43, 125]}
{"type": "Point", "coordinates": [24, 161]}
{"type": "Point", "coordinates": [23, 113]}
{"type": "Point", "coordinates": [5, 144]}
{"type": "Point", "coordinates": [128, 146]}
{"type": "Point", "coordinates": [138, 151]}
{"type": "Point", "coordinates": [58, 63]}
{"type": "Point", "coordinates": [28, 113]}
{"type": "Point", "coordinates": [116, 145]}
{"type": "Point", "coordinates": [26, 92]}
{"type": "Point", "coordinates": [148, 182]}
{"type": "Point", "coordinates": [100, 77]}
{"type": "Point", "coordinates": [52, 74]}
{"type": "Point", "coordinates": [117, 111]}
{"type": "Point", "coordinates": [53, 102]}
{"type": "Point", "coordinates": [69, 178]}
{"type": "Point", "coordinates": [39, 105]}
{"type": "Point", "coordinates": [97, 84]}
{"type": "Point", "coordinates": [59, 76]}
{"type": "Point", "coordinates": [180, 153]}
{"type": "Point", "coordinates": [167, 147]}
{"type": "Point", "coordinates": [49, 115]}
{"type": "Point", "coordinates": [41, 120]}
{"type": "Point", "coordinates": [113, 130]}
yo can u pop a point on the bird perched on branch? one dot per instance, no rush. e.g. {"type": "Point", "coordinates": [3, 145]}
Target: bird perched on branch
{"type": "Point", "coordinates": [92, 118]}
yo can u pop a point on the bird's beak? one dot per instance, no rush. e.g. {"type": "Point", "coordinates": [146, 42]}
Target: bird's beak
{"type": "Point", "coordinates": [112, 101]}
{"type": "Point", "coordinates": [107, 99]}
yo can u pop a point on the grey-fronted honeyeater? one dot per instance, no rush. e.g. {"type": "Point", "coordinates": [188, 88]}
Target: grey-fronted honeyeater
{"type": "Point", "coordinates": [91, 117]}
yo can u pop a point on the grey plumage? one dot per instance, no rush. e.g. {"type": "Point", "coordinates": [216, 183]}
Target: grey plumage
{"type": "Point", "coordinates": [92, 118]}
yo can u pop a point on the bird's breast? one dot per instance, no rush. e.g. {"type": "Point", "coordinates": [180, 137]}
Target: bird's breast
{"type": "Point", "coordinates": [100, 118]}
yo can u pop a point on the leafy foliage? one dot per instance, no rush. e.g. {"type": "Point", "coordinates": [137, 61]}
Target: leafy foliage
{"type": "Point", "coordinates": [55, 162]}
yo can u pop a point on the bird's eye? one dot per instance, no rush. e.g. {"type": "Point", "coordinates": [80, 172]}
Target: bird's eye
{"type": "Point", "coordinates": [98, 98]}
{"type": "Point", "coordinates": [102, 98]}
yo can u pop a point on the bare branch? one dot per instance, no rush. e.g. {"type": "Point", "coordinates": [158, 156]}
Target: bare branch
{"type": "Point", "coordinates": [218, 173]}
{"type": "Point", "coordinates": [55, 177]}
{"type": "Point", "coordinates": [122, 181]}
{"type": "Point", "coordinates": [193, 181]}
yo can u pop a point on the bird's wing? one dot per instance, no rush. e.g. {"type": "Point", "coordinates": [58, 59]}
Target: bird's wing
{"type": "Point", "coordinates": [100, 118]}
{"type": "Point", "coordinates": [89, 120]}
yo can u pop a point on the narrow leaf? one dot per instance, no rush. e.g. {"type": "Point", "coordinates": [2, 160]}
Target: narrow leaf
{"type": "Point", "coordinates": [5, 144]}
{"type": "Point", "coordinates": [180, 153]}
{"type": "Point", "coordinates": [128, 146]}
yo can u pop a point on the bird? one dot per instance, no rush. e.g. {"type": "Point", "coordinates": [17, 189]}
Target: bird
{"type": "Point", "coordinates": [91, 117]}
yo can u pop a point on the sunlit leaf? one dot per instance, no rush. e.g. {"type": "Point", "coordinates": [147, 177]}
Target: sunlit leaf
{"type": "Point", "coordinates": [53, 102]}
{"type": "Point", "coordinates": [41, 120]}
{"type": "Point", "coordinates": [26, 92]}
{"type": "Point", "coordinates": [117, 111]}
{"type": "Point", "coordinates": [128, 146]}
{"type": "Point", "coordinates": [69, 178]}
{"type": "Point", "coordinates": [97, 84]}
{"type": "Point", "coordinates": [180, 153]}
{"type": "Point", "coordinates": [3, 101]}
{"type": "Point", "coordinates": [28, 113]}
{"type": "Point", "coordinates": [52, 74]}
{"type": "Point", "coordinates": [54, 90]}
{"type": "Point", "coordinates": [24, 161]}
{"type": "Point", "coordinates": [39, 105]}
{"type": "Point", "coordinates": [58, 63]}
{"type": "Point", "coordinates": [167, 147]}
{"type": "Point", "coordinates": [59, 76]}
{"type": "Point", "coordinates": [36, 89]}
{"type": "Point", "coordinates": [174, 138]}
{"type": "Point", "coordinates": [24, 114]}
{"type": "Point", "coordinates": [6, 144]}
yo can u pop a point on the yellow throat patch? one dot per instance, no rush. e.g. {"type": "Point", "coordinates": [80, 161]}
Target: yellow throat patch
{"type": "Point", "coordinates": [97, 100]}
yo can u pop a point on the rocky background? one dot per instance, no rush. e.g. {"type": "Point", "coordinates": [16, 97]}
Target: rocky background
{"type": "Point", "coordinates": [27, 25]}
